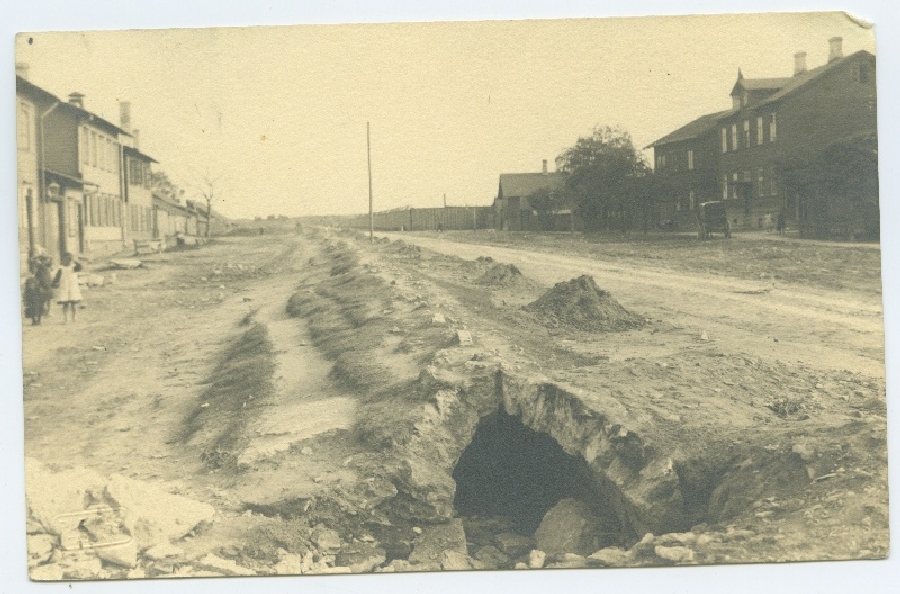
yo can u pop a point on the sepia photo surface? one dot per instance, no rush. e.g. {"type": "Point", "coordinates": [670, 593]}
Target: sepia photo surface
{"type": "Point", "coordinates": [427, 297]}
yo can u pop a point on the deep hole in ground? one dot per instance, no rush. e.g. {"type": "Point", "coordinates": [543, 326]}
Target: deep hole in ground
{"type": "Point", "coordinates": [516, 474]}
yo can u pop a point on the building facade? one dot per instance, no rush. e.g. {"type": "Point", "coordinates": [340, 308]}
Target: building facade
{"type": "Point", "coordinates": [767, 148]}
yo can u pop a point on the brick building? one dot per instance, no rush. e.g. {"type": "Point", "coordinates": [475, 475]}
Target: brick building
{"type": "Point", "coordinates": [770, 144]}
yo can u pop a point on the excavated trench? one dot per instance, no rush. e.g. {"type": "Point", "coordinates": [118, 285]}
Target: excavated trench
{"type": "Point", "coordinates": [516, 475]}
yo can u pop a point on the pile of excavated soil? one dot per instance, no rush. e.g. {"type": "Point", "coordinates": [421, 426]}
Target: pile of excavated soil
{"type": "Point", "coordinates": [580, 303]}
{"type": "Point", "coordinates": [501, 275]}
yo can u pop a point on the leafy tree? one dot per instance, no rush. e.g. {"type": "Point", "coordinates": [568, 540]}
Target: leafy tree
{"type": "Point", "coordinates": [605, 176]}
{"type": "Point", "coordinates": [542, 201]}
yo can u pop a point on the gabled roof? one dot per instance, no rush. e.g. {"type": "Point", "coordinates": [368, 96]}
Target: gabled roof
{"type": "Point", "coordinates": [523, 184]}
{"type": "Point", "coordinates": [26, 87]}
{"type": "Point", "coordinates": [761, 84]}
{"type": "Point", "coordinates": [134, 152]}
{"type": "Point", "coordinates": [799, 80]}
{"type": "Point", "coordinates": [698, 127]}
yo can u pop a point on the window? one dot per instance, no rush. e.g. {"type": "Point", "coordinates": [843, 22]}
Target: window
{"type": "Point", "coordinates": [117, 154]}
{"type": "Point", "coordinates": [135, 172]}
{"type": "Point", "coordinates": [101, 152]}
{"type": "Point", "coordinates": [690, 158]}
{"type": "Point", "coordinates": [761, 181]}
{"type": "Point", "coordinates": [773, 128]}
{"type": "Point", "coordinates": [93, 148]}
{"type": "Point", "coordinates": [746, 132]}
{"type": "Point", "coordinates": [724, 140]}
{"type": "Point", "coordinates": [759, 130]}
{"type": "Point", "coordinates": [24, 126]}
{"type": "Point", "coordinates": [692, 200]}
{"type": "Point", "coordinates": [109, 155]}
{"type": "Point", "coordinates": [147, 174]}
{"type": "Point", "coordinates": [734, 137]}
{"type": "Point", "coordinates": [773, 187]}
{"type": "Point", "coordinates": [861, 73]}
{"type": "Point", "coordinates": [725, 187]}
{"type": "Point", "coordinates": [83, 148]}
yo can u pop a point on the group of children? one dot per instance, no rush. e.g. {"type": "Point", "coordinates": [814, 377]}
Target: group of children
{"type": "Point", "coordinates": [40, 286]}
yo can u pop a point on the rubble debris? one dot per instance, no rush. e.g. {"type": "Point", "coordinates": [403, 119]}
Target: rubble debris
{"type": "Point", "coordinates": [581, 304]}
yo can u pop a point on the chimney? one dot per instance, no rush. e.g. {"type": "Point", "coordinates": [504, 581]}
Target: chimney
{"type": "Point", "coordinates": [799, 63]}
{"type": "Point", "coordinates": [545, 165]}
{"type": "Point", "coordinates": [22, 70]}
{"type": "Point", "coordinates": [77, 99]}
{"type": "Point", "coordinates": [136, 139]}
{"type": "Point", "coordinates": [125, 115]}
{"type": "Point", "coordinates": [835, 50]}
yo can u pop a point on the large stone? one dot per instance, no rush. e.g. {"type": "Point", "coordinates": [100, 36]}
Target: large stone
{"type": "Point", "coordinates": [536, 559]}
{"type": "Point", "coordinates": [491, 557]}
{"type": "Point", "coordinates": [436, 539]}
{"type": "Point", "coordinates": [153, 515]}
{"type": "Point", "coordinates": [675, 554]}
{"type": "Point", "coordinates": [46, 573]}
{"type": "Point", "coordinates": [39, 548]}
{"type": "Point", "coordinates": [610, 557]}
{"type": "Point", "coordinates": [326, 540]}
{"type": "Point", "coordinates": [223, 566]}
{"type": "Point", "coordinates": [361, 557]}
{"type": "Point", "coordinates": [161, 551]}
{"type": "Point", "coordinates": [54, 496]}
{"type": "Point", "coordinates": [455, 561]}
{"type": "Point", "coordinates": [79, 565]}
{"type": "Point", "coordinates": [124, 555]}
{"type": "Point", "coordinates": [569, 527]}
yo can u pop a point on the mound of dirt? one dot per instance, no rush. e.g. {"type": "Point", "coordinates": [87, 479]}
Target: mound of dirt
{"type": "Point", "coordinates": [580, 303]}
{"type": "Point", "coordinates": [501, 275]}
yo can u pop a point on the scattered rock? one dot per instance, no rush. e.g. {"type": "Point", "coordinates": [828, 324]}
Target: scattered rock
{"type": "Point", "coordinates": [611, 556]}
{"type": "Point", "coordinates": [161, 551]}
{"type": "Point", "coordinates": [124, 555]}
{"type": "Point", "coordinates": [491, 557]}
{"type": "Point", "coordinates": [569, 527]}
{"type": "Point", "coordinates": [361, 557]}
{"type": "Point", "coordinates": [153, 515]}
{"type": "Point", "coordinates": [536, 559]}
{"type": "Point", "coordinates": [438, 320]}
{"type": "Point", "coordinates": [326, 539]}
{"type": "Point", "coordinates": [46, 573]}
{"type": "Point", "coordinates": [674, 554]}
{"type": "Point", "coordinates": [223, 566]}
{"type": "Point", "coordinates": [436, 540]}
{"type": "Point", "coordinates": [455, 561]}
{"type": "Point", "coordinates": [40, 546]}
{"type": "Point", "coordinates": [464, 338]}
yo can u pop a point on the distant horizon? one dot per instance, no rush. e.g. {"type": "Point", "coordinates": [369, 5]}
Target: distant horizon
{"type": "Point", "coordinates": [280, 112]}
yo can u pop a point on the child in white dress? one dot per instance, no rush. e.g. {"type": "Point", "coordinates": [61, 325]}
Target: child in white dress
{"type": "Point", "coordinates": [67, 280]}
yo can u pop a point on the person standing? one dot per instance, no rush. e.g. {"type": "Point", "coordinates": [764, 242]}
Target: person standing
{"type": "Point", "coordinates": [67, 281]}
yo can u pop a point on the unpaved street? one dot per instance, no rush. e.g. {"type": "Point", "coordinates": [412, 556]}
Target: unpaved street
{"type": "Point", "coordinates": [311, 398]}
{"type": "Point", "coordinates": [838, 329]}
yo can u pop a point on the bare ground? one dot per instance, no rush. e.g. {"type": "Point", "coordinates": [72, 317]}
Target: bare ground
{"type": "Point", "coordinates": [192, 374]}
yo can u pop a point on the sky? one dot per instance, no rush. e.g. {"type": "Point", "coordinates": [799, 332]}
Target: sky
{"type": "Point", "coordinates": [278, 114]}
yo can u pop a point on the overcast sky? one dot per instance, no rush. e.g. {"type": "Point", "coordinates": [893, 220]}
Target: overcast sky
{"type": "Point", "coordinates": [279, 113]}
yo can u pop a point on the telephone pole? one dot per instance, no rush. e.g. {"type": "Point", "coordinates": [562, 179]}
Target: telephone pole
{"type": "Point", "coordinates": [371, 213]}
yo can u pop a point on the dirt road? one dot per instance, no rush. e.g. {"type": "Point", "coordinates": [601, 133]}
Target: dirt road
{"type": "Point", "coordinates": [825, 329]}
{"type": "Point", "coordinates": [313, 395]}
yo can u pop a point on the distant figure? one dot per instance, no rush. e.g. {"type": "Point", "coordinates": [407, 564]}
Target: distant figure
{"type": "Point", "coordinates": [67, 281]}
{"type": "Point", "coordinates": [440, 227]}
{"type": "Point", "coordinates": [262, 230]}
{"type": "Point", "coordinates": [782, 223]}
{"type": "Point", "coordinates": [38, 291]}
{"type": "Point", "coordinates": [298, 228]}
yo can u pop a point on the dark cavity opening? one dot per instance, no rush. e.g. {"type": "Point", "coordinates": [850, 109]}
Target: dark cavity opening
{"type": "Point", "coordinates": [516, 474]}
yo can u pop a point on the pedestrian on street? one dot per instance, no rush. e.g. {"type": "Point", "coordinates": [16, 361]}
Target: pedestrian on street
{"type": "Point", "coordinates": [67, 282]}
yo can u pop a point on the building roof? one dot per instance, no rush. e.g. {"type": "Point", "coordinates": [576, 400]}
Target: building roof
{"type": "Point", "coordinates": [800, 80]}
{"type": "Point", "coordinates": [523, 184]}
{"type": "Point", "coordinates": [782, 87]}
{"type": "Point", "coordinates": [134, 152]}
{"type": "Point", "coordinates": [25, 86]}
{"type": "Point", "coordinates": [171, 207]}
{"type": "Point", "coordinates": [700, 126]}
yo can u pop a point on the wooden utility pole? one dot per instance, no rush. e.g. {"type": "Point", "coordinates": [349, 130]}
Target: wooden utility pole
{"type": "Point", "coordinates": [371, 212]}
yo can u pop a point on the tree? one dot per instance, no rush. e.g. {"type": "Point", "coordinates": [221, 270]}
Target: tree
{"type": "Point", "coordinates": [605, 171]}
